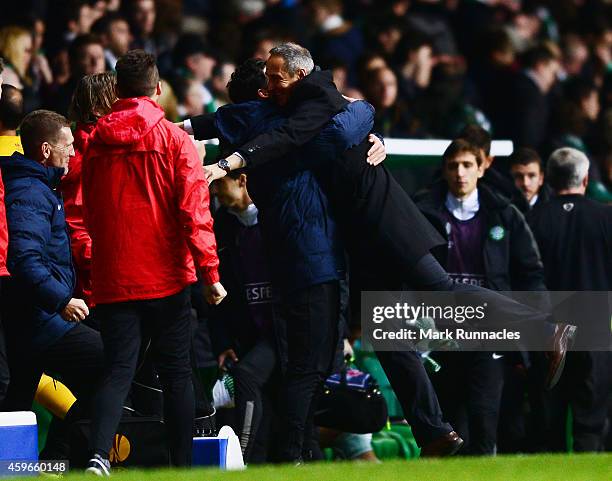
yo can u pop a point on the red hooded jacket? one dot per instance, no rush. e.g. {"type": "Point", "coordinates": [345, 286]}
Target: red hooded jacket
{"type": "Point", "coordinates": [3, 233]}
{"type": "Point", "coordinates": [72, 191]}
{"type": "Point", "coordinates": [145, 200]}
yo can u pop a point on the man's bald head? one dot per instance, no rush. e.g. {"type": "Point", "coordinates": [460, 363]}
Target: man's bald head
{"type": "Point", "coordinates": [11, 110]}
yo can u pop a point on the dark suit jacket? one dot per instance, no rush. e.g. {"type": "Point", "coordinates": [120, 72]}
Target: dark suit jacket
{"type": "Point", "coordinates": [511, 263]}
{"type": "Point", "coordinates": [575, 238]}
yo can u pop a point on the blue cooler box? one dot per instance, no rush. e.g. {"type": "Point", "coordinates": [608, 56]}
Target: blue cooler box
{"type": "Point", "coordinates": [18, 441]}
{"type": "Point", "coordinates": [209, 452]}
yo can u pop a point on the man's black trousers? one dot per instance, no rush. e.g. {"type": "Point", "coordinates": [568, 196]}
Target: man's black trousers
{"type": "Point", "coordinates": [125, 327]}
{"type": "Point", "coordinates": [586, 387]}
{"type": "Point", "coordinates": [76, 359]}
{"type": "Point", "coordinates": [469, 388]}
{"type": "Point", "coordinates": [311, 317]}
{"type": "Point", "coordinates": [253, 374]}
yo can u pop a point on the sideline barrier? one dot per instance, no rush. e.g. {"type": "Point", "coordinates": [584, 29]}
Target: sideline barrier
{"type": "Point", "coordinates": [413, 161]}
{"type": "Point", "coordinates": [403, 150]}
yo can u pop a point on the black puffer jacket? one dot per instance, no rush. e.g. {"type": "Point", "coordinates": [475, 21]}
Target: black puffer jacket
{"type": "Point", "coordinates": [511, 256]}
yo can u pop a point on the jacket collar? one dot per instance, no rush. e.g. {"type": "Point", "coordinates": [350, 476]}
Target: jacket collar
{"type": "Point", "coordinates": [463, 209]}
{"type": "Point", "coordinates": [320, 79]}
{"type": "Point", "coordinates": [17, 166]}
{"type": "Point", "coordinates": [435, 199]}
{"type": "Point", "coordinates": [247, 217]}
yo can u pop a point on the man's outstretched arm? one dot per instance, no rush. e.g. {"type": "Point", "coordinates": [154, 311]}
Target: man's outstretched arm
{"type": "Point", "coordinates": [304, 124]}
{"type": "Point", "coordinates": [316, 101]}
{"type": "Point", "coordinates": [202, 127]}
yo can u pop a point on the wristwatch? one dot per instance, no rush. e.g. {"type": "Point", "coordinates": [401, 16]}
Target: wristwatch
{"type": "Point", "coordinates": [224, 164]}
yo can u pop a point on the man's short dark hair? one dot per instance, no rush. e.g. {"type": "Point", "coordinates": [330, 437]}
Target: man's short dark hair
{"type": "Point", "coordinates": [1, 64]}
{"type": "Point", "coordinates": [137, 74]}
{"type": "Point", "coordinates": [76, 48]}
{"type": "Point", "coordinates": [332, 62]}
{"type": "Point", "coordinates": [236, 173]}
{"type": "Point", "coordinates": [11, 107]}
{"type": "Point", "coordinates": [525, 156]}
{"type": "Point", "coordinates": [38, 127]}
{"type": "Point", "coordinates": [460, 146]}
{"type": "Point", "coordinates": [103, 25]}
{"type": "Point", "coordinates": [246, 80]}
{"type": "Point", "coordinates": [537, 55]}
{"type": "Point", "coordinates": [477, 136]}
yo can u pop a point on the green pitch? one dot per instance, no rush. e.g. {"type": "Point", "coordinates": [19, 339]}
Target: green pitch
{"type": "Point", "coordinates": [591, 467]}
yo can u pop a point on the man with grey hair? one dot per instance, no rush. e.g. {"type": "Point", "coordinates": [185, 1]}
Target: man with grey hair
{"type": "Point", "coordinates": [296, 57]}
{"type": "Point", "coordinates": [574, 235]}
{"type": "Point", "coordinates": [568, 171]}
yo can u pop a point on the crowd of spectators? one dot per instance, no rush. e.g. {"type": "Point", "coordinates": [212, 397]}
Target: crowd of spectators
{"type": "Point", "coordinates": [537, 72]}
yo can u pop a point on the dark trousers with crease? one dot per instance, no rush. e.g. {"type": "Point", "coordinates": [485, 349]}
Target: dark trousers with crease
{"type": "Point", "coordinates": [586, 387]}
{"type": "Point", "coordinates": [253, 374]}
{"type": "Point", "coordinates": [76, 358]}
{"type": "Point", "coordinates": [469, 387]}
{"type": "Point", "coordinates": [404, 368]}
{"type": "Point", "coordinates": [311, 318]}
{"type": "Point", "coordinates": [125, 326]}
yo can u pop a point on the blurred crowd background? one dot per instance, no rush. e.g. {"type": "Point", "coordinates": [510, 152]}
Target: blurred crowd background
{"type": "Point", "coordinates": [537, 72]}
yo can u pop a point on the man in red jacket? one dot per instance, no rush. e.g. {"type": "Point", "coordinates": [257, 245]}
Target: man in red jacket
{"type": "Point", "coordinates": [145, 202]}
{"type": "Point", "coordinates": [4, 371]}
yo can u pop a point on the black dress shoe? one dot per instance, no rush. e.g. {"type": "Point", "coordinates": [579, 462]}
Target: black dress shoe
{"type": "Point", "coordinates": [446, 445]}
{"type": "Point", "coordinates": [561, 342]}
